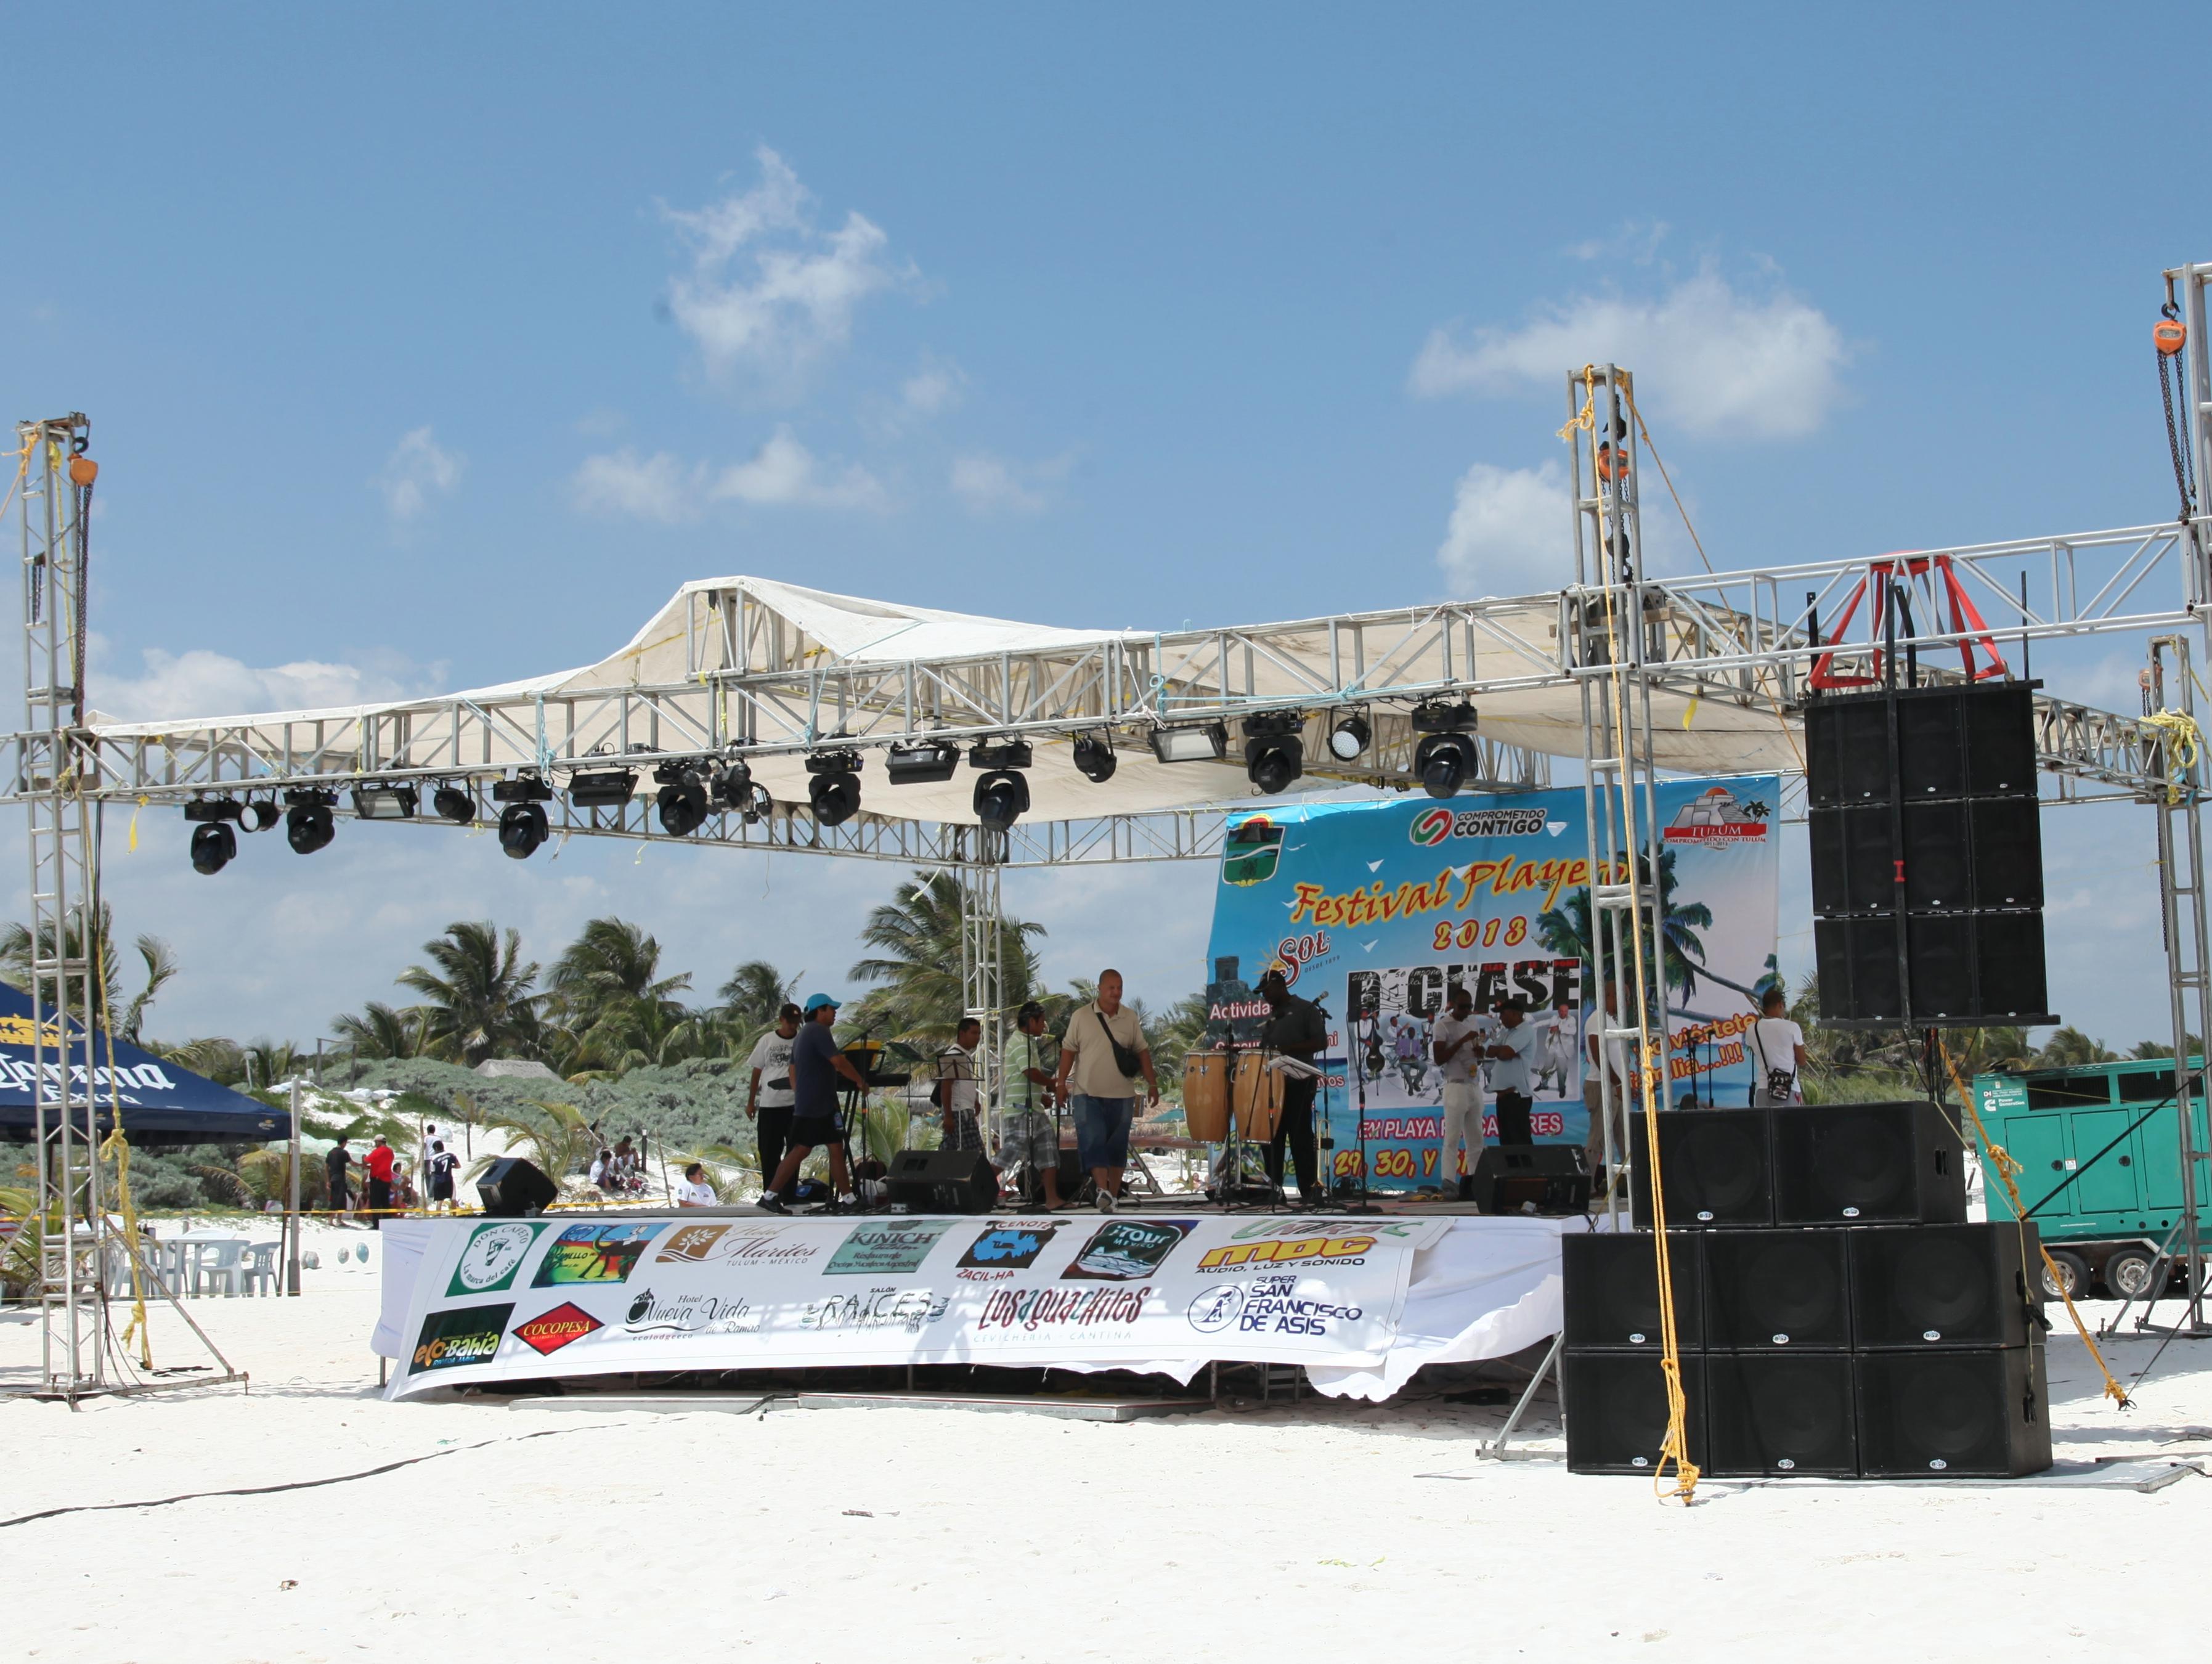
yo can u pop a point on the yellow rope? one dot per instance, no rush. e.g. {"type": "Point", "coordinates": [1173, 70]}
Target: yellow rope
{"type": "Point", "coordinates": [2181, 743]}
{"type": "Point", "coordinates": [1586, 418]}
{"type": "Point", "coordinates": [2002, 1160]}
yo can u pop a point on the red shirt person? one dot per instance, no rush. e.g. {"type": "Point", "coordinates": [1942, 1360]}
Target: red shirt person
{"type": "Point", "coordinates": [379, 1162]}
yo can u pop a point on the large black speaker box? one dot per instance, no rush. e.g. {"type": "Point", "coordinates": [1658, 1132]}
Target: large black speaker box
{"type": "Point", "coordinates": [1949, 1415]}
{"type": "Point", "coordinates": [1945, 1285]}
{"type": "Point", "coordinates": [1713, 1168]}
{"type": "Point", "coordinates": [511, 1188]}
{"type": "Point", "coordinates": [942, 1181]}
{"type": "Point", "coordinates": [1769, 1289]}
{"type": "Point", "coordinates": [1615, 1405]}
{"type": "Point", "coordinates": [1867, 1164]}
{"type": "Point", "coordinates": [1612, 1290]}
{"type": "Point", "coordinates": [1780, 1412]}
{"type": "Point", "coordinates": [1545, 1178]}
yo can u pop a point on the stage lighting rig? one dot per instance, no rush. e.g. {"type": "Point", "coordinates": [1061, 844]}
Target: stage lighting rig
{"type": "Point", "coordinates": [1274, 750]}
{"type": "Point", "coordinates": [602, 789]}
{"type": "Point", "coordinates": [523, 788]}
{"type": "Point", "coordinates": [385, 802]}
{"type": "Point", "coordinates": [1191, 742]}
{"type": "Point", "coordinates": [309, 826]}
{"type": "Point", "coordinates": [1349, 738]}
{"type": "Point", "coordinates": [1002, 797]}
{"type": "Point", "coordinates": [259, 816]}
{"type": "Point", "coordinates": [681, 801]}
{"type": "Point", "coordinates": [1000, 754]}
{"type": "Point", "coordinates": [522, 828]}
{"type": "Point", "coordinates": [1436, 717]}
{"type": "Point", "coordinates": [454, 803]}
{"type": "Point", "coordinates": [213, 845]}
{"type": "Point", "coordinates": [734, 788]}
{"type": "Point", "coordinates": [1094, 758]}
{"type": "Point", "coordinates": [921, 762]}
{"type": "Point", "coordinates": [834, 790]}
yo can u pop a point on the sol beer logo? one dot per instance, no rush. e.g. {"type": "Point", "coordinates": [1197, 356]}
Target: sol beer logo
{"type": "Point", "coordinates": [1287, 1251]}
{"type": "Point", "coordinates": [548, 1332]}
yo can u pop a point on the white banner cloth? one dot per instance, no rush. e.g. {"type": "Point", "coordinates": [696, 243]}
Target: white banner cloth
{"type": "Point", "coordinates": [1361, 1302]}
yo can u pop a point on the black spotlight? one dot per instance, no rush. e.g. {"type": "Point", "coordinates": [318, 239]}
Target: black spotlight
{"type": "Point", "coordinates": [307, 823]}
{"type": "Point", "coordinates": [1002, 797]}
{"type": "Point", "coordinates": [455, 804]}
{"type": "Point", "coordinates": [213, 845]}
{"type": "Point", "coordinates": [521, 829]}
{"type": "Point", "coordinates": [682, 800]}
{"type": "Point", "coordinates": [1349, 738]}
{"type": "Point", "coordinates": [260, 816]}
{"type": "Point", "coordinates": [1274, 753]}
{"type": "Point", "coordinates": [921, 762]}
{"type": "Point", "coordinates": [996, 754]}
{"type": "Point", "coordinates": [1445, 762]}
{"type": "Point", "coordinates": [834, 790]}
{"type": "Point", "coordinates": [602, 789]}
{"type": "Point", "coordinates": [523, 788]}
{"type": "Point", "coordinates": [1095, 757]}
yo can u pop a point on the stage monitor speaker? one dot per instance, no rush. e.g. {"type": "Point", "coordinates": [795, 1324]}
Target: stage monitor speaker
{"type": "Point", "coordinates": [1712, 1164]}
{"type": "Point", "coordinates": [1540, 1178]}
{"type": "Point", "coordinates": [1612, 1290]}
{"type": "Point", "coordinates": [1615, 1405]}
{"type": "Point", "coordinates": [942, 1181]}
{"type": "Point", "coordinates": [1769, 1289]}
{"type": "Point", "coordinates": [1867, 1164]}
{"type": "Point", "coordinates": [1966, 1414]}
{"type": "Point", "coordinates": [1945, 1285]}
{"type": "Point", "coordinates": [512, 1187]}
{"type": "Point", "coordinates": [1780, 1412]}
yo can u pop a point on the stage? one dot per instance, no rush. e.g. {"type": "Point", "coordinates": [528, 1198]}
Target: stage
{"type": "Point", "coordinates": [1359, 1301]}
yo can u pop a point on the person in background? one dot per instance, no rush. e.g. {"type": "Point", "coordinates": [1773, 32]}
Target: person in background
{"type": "Point", "coordinates": [1456, 1042]}
{"type": "Point", "coordinates": [440, 1167]}
{"type": "Point", "coordinates": [768, 1100]}
{"type": "Point", "coordinates": [379, 1162]}
{"type": "Point", "coordinates": [1509, 1051]}
{"type": "Point", "coordinates": [816, 1064]}
{"type": "Point", "coordinates": [1029, 1138]}
{"type": "Point", "coordinates": [954, 1093]}
{"type": "Point", "coordinates": [1601, 1058]}
{"type": "Point", "coordinates": [601, 1177]}
{"type": "Point", "coordinates": [1295, 1029]}
{"type": "Point", "coordinates": [628, 1167]}
{"type": "Point", "coordinates": [337, 1165]}
{"type": "Point", "coordinates": [1778, 1054]}
{"type": "Point", "coordinates": [695, 1192]}
{"type": "Point", "coordinates": [1105, 1093]}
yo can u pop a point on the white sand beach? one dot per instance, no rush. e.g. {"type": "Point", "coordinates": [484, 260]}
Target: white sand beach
{"type": "Point", "coordinates": [1321, 1529]}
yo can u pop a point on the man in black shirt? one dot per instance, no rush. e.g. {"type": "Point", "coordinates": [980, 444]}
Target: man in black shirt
{"type": "Point", "coordinates": [1295, 1029]}
{"type": "Point", "coordinates": [335, 1164]}
{"type": "Point", "coordinates": [816, 1064]}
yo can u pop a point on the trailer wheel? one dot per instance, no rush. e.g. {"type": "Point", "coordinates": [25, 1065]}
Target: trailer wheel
{"type": "Point", "coordinates": [2129, 1272]}
{"type": "Point", "coordinates": [2072, 1275]}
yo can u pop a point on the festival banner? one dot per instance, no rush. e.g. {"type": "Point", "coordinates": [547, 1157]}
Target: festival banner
{"type": "Point", "coordinates": [1385, 907]}
{"type": "Point", "coordinates": [506, 1299]}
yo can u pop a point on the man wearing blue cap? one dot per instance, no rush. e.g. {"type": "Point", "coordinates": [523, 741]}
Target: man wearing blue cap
{"type": "Point", "coordinates": [816, 1064]}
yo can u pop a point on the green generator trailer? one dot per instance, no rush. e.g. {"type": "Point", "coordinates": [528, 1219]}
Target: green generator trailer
{"type": "Point", "coordinates": [2103, 1218]}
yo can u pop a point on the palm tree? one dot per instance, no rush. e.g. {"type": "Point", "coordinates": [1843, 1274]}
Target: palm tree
{"type": "Point", "coordinates": [1566, 931]}
{"type": "Point", "coordinates": [2070, 1047]}
{"type": "Point", "coordinates": [919, 936]}
{"type": "Point", "coordinates": [122, 1017]}
{"type": "Point", "coordinates": [556, 1136]}
{"type": "Point", "coordinates": [613, 964]}
{"type": "Point", "coordinates": [381, 1031]}
{"type": "Point", "coordinates": [478, 1001]}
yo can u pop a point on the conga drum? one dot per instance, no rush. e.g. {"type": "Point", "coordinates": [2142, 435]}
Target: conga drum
{"type": "Point", "coordinates": [1256, 1097]}
{"type": "Point", "coordinates": [1206, 1094]}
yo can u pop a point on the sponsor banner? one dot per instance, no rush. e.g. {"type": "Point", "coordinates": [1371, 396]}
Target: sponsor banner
{"type": "Point", "coordinates": [736, 1294]}
{"type": "Point", "coordinates": [1386, 908]}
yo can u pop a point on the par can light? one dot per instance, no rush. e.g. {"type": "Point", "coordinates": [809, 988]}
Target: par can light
{"type": "Point", "coordinates": [455, 804]}
{"type": "Point", "coordinates": [213, 845]}
{"type": "Point", "coordinates": [521, 829]}
{"type": "Point", "coordinates": [1094, 758]}
{"type": "Point", "coordinates": [1349, 738]}
{"type": "Point", "coordinates": [260, 816]}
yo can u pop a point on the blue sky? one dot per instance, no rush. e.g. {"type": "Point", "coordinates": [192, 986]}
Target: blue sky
{"type": "Point", "coordinates": [432, 346]}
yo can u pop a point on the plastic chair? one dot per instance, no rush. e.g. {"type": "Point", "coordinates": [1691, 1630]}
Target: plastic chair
{"type": "Point", "coordinates": [219, 1262]}
{"type": "Point", "coordinates": [260, 1269]}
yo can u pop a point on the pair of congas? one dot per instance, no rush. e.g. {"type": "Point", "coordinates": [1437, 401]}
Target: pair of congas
{"type": "Point", "coordinates": [1222, 1087]}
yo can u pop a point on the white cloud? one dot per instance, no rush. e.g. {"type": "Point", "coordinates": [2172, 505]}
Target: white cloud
{"type": "Point", "coordinates": [200, 683]}
{"type": "Point", "coordinates": [936, 387]}
{"type": "Point", "coordinates": [1637, 241]}
{"type": "Point", "coordinates": [1511, 531]}
{"type": "Point", "coordinates": [994, 485]}
{"type": "Point", "coordinates": [783, 473]}
{"type": "Point", "coordinates": [417, 471]}
{"type": "Point", "coordinates": [768, 290]}
{"type": "Point", "coordinates": [1717, 361]}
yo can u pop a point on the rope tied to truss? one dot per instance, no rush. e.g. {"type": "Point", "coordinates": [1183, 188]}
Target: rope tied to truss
{"type": "Point", "coordinates": [2180, 743]}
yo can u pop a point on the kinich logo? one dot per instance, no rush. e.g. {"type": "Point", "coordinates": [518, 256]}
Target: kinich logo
{"type": "Point", "coordinates": [1335, 1250]}
{"type": "Point", "coordinates": [1431, 826]}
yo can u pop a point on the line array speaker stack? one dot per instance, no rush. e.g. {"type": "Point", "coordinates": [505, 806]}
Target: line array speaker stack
{"type": "Point", "coordinates": [1927, 857]}
{"type": "Point", "coordinates": [1835, 1314]}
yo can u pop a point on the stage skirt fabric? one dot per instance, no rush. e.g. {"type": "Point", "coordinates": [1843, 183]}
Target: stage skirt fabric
{"type": "Point", "coordinates": [1361, 1303]}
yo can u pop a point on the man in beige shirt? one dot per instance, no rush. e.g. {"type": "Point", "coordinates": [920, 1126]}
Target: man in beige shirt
{"type": "Point", "coordinates": [1104, 1094]}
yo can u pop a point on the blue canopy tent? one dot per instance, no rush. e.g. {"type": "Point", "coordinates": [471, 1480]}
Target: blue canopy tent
{"type": "Point", "coordinates": [161, 1104]}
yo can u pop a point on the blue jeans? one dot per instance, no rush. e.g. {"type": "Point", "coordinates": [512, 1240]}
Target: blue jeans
{"type": "Point", "coordinates": [1102, 1130]}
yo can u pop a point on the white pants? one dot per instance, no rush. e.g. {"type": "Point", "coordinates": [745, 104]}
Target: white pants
{"type": "Point", "coordinates": [1462, 1127]}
